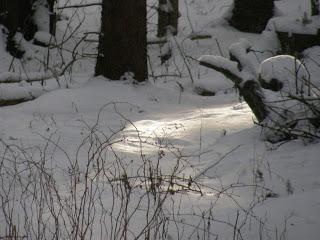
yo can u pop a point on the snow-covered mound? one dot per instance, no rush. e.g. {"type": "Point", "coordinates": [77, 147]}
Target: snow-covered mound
{"type": "Point", "coordinates": [285, 73]}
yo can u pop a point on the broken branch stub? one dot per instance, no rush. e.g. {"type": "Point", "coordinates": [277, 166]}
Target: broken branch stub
{"type": "Point", "coordinates": [249, 89]}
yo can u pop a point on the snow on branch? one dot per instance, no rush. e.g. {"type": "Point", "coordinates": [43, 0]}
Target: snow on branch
{"type": "Point", "coordinates": [278, 90]}
{"type": "Point", "coordinates": [226, 67]}
{"type": "Point", "coordinates": [239, 52]}
{"type": "Point", "coordinates": [247, 85]}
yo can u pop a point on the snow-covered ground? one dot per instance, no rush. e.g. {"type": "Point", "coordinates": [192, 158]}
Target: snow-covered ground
{"type": "Point", "coordinates": [250, 189]}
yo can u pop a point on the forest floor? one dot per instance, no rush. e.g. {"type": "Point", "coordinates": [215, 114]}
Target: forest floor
{"type": "Point", "coordinates": [273, 189]}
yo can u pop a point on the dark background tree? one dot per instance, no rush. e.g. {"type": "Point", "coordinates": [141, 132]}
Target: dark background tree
{"type": "Point", "coordinates": [123, 39]}
{"type": "Point", "coordinates": [251, 15]}
{"type": "Point", "coordinates": [16, 15]}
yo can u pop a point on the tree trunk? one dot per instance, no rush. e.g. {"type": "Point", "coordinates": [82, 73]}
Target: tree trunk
{"type": "Point", "coordinates": [314, 7]}
{"type": "Point", "coordinates": [53, 17]}
{"type": "Point", "coordinates": [123, 39]}
{"type": "Point", "coordinates": [168, 14]}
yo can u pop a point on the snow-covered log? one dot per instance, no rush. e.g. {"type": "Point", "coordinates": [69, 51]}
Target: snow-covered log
{"type": "Point", "coordinates": [278, 91]}
{"type": "Point", "coordinates": [13, 94]}
{"type": "Point", "coordinates": [16, 88]}
{"type": "Point", "coordinates": [11, 77]}
{"type": "Point", "coordinates": [248, 88]}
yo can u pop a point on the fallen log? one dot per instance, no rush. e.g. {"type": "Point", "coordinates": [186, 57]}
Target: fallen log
{"type": "Point", "coordinates": [11, 77]}
{"type": "Point", "coordinates": [248, 88]}
{"type": "Point", "coordinates": [12, 93]}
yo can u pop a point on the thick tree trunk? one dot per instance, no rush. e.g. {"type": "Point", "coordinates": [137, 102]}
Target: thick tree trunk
{"type": "Point", "coordinates": [168, 14]}
{"type": "Point", "coordinates": [123, 39]}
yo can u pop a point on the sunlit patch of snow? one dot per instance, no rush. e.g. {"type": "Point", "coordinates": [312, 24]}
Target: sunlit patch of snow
{"type": "Point", "coordinates": [184, 129]}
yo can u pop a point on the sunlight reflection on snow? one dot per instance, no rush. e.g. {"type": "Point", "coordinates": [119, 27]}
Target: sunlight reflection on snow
{"type": "Point", "coordinates": [184, 129]}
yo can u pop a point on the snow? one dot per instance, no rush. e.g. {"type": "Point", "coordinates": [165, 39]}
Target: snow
{"type": "Point", "coordinates": [218, 84]}
{"type": "Point", "coordinates": [9, 92]}
{"type": "Point", "coordinates": [44, 37]}
{"type": "Point", "coordinates": [41, 15]}
{"type": "Point", "coordinates": [310, 57]}
{"type": "Point", "coordinates": [221, 62]}
{"type": "Point", "coordinates": [275, 188]}
{"type": "Point", "coordinates": [302, 25]}
{"type": "Point", "coordinates": [294, 16]}
{"type": "Point", "coordinates": [293, 7]}
{"type": "Point", "coordinates": [166, 7]}
{"type": "Point", "coordinates": [240, 51]}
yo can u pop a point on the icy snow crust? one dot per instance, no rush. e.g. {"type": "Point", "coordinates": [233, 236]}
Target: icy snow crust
{"type": "Point", "coordinates": [203, 128]}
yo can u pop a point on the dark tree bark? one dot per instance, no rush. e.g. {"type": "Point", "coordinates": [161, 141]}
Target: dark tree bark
{"type": "Point", "coordinates": [168, 18]}
{"type": "Point", "coordinates": [123, 39]}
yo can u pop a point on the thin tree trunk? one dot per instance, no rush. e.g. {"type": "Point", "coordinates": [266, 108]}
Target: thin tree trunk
{"type": "Point", "coordinates": [314, 7]}
{"type": "Point", "coordinates": [53, 17]}
{"type": "Point", "coordinates": [123, 39]}
{"type": "Point", "coordinates": [168, 14]}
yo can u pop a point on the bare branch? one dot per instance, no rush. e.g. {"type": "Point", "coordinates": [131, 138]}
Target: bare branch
{"type": "Point", "coordinates": [81, 5]}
